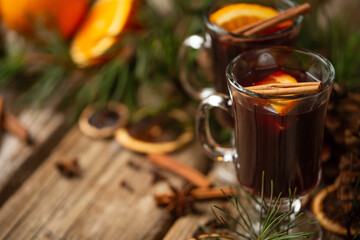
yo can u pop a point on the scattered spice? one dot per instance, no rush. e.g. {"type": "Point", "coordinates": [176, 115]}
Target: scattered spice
{"type": "Point", "coordinates": [134, 165]}
{"type": "Point", "coordinates": [157, 176]}
{"type": "Point", "coordinates": [69, 167]}
{"type": "Point", "coordinates": [12, 124]}
{"type": "Point", "coordinates": [1, 113]}
{"type": "Point", "coordinates": [126, 185]}
{"type": "Point", "coordinates": [197, 194]}
{"type": "Point", "coordinates": [180, 201]}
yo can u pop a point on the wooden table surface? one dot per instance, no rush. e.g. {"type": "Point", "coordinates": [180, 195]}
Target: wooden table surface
{"type": "Point", "coordinates": [37, 202]}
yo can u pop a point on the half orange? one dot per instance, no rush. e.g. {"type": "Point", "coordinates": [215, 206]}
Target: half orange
{"type": "Point", "coordinates": [235, 16]}
{"type": "Point", "coordinates": [23, 16]}
{"type": "Point", "coordinates": [100, 30]}
{"type": "Point", "coordinates": [281, 106]}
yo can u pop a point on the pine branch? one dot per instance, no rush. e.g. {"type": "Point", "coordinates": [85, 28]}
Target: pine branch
{"type": "Point", "coordinates": [274, 225]}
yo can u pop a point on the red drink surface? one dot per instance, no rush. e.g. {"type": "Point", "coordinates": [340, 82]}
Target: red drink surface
{"type": "Point", "coordinates": [286, 147]}
{"type": "Point", "coordinates": [225, 49]}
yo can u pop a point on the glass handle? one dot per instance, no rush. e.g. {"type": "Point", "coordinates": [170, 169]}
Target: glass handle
{"type": "Point", "coordinates": [211, 147]}
{"type": "Point", "coordinates": [189, 69]}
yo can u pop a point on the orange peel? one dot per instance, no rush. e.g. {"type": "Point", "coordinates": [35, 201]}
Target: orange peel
{"type": "Point", "coordinates": [235, 16]}
{"type": "Point", "coordinates": [100, 31]}
{"type": "Point", "coordinates": [281, 106]}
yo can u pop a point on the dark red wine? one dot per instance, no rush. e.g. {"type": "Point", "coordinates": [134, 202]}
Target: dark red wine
{"type": "Point", "coordinates": [224, 49]}
{"type": "Point", "coordinates": [286, 147]}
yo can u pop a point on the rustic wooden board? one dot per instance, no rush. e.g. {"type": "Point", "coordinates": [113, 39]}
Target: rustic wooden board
{"type": "Point", "coordinates": [93, 206]}
{"type": "Point", "coordinates": [17, 159]}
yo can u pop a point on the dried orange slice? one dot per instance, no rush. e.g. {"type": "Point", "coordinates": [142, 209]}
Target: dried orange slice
{"type": "Point", "coordinates": [234, 16]}
{"type": "Point", "coordinates": [318, 206]}
{"type": "Point", "coordinates": [161, 133]}
{"type": "Point", "coordinates": [281, 106]}
{"type": "Point", "coordinates": [100, 30]}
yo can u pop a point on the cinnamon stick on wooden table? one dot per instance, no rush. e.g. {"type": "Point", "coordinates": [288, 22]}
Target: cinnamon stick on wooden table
{"type": "Point", "coordinates": [10, 123]}
{"type": "Point", "coordinates": [1, 113]}
{"type": "Point", "coordinates": [188, 173]}
{"type": "Point", "coordinates": [278, 89]}
{"type": "Point", "coordinates": [283, 16]}
{"type": "Point", "coordinates": [165, 198]}
{"type": "Point", "coordinates": [14, 126]}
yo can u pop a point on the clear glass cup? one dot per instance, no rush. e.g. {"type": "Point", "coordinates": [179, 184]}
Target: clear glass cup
{"type": "Point", "coordinates": [203, 61]}
{"type": "Point", "coordinates": [285, 147]}
{"type": "Point", "coordinates": [222, 46]}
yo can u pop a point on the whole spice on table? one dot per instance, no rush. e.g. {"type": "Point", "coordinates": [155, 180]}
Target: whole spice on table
{"type": "Point", "coordinates": [1, 113]}
{"type": "Point", "coordinates": [165, 198]}
{"type": "Point", "coordinates": [12, 124]}
{"type": "Point", "coordinates": [192, 175]}
{"type": "Point", "coordinates": [180, 201]}
{"type": "Point", "coordinates": [69, 167]}
{"type": "Point", "coordinates": [124, 184]}
{"type": "Point", "coordinates": [157, 176]}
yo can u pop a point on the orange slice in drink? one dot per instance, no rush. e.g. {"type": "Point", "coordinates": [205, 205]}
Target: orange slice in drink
{"type": "Point", "coordinates": [234, 16]}
{"type": "Point", "coordinates": [100, 30]}
{"type": "Point", "coordinates": [281, 106]}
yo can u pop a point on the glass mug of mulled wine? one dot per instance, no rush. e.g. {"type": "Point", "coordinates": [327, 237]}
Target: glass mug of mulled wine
{"type": "Point", "coordinates": [278, 99]}
{"type": "Point", "coordinates": [203, 60]}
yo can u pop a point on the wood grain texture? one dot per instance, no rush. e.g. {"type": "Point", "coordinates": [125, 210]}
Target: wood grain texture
{"type": "Point", "coordinates": [95, 205]}
{"type": "Point", "coordinates": [17, 159]}
{"type": "Point", "coordinates": [112, 199]}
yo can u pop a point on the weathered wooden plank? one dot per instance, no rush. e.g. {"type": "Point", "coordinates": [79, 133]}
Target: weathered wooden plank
{"type": "Point", "coordinates": [185, 227]}
{"type": "Point", "coordinates": [18, 160]}
{"type": "Point", "coordinates": [93, 206]}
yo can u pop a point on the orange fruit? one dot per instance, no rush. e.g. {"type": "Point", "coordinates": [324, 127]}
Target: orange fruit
{"type": "Point", "coordinates": [100, 30]}
{"type": "Point", "coordinates": [277, 77]}
{"type": "Point", "coordinates": [234, 16]}
{"type": "Point", "coordinates": [23, 15]}
{"type": "Point", "coordinates": [281, 106]}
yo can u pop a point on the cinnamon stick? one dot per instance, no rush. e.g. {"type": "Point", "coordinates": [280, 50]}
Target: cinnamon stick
{"type": "Point", "coordinates": [171, 164]}
{"type": "Point", "coordinates": [1, 113]}
{"type": "Point", "coordinates": [14, 126]}
{"type": "Point", "coordinates": [165, 198]}
{"type": "Point", "coordinates": [260, 26]}
{"type": "Point", "coordinates": [277, 89]}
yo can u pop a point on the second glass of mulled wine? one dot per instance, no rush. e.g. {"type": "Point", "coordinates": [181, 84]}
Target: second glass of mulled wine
{"type": "Point", "coordinates": [278, 99]}
{"type": "Point", "coordinates": [222, 43]}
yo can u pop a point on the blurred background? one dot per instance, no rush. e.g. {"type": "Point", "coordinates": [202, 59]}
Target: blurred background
{"type": "Point", "coordinates": [53, 51]}
{"type": "Point", "coordinates": [69, 54]}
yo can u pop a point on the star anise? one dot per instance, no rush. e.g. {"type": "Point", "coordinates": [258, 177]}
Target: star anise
{"type": "Point", "coordinates": [69, 167]}
{"type": "Point", "coordinates": [182, 201]}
